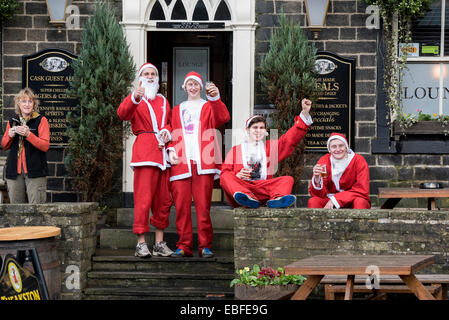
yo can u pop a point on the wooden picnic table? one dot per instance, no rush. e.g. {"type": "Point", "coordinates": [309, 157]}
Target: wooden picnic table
{"type": "Point", "coordinates": [394, 195]}
{"type": "Point", "coordinates": [316, 267]}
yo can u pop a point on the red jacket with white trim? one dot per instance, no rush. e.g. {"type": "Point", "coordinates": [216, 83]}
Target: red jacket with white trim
{"type": "Point", "coordinates": [213, 115]}
{"type": "Point", "coordinates": [147, 117]}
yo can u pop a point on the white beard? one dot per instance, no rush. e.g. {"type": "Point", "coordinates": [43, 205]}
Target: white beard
{"type": "Point", "coordinates": [151, 88]}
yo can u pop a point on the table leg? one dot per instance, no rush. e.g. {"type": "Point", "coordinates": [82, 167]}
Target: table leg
{"type": "Point", "coordinates": [349, 287]}
{"type": "Point", "coordinates": [306, 288]}
{"type": "Point", "coordinates": [390, 203]}
{"type": "Point", "coordinates": [417, 287]}
{"type": "Point", "coordinates": [431, 204]}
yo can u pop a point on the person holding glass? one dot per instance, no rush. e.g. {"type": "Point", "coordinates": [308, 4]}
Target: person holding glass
{"type": "Point", "coordinates": [340, 178]}
{"type": "Point", "coordinates": [247, 172]}
{"type": "Point", "coordinates": [27, 136]}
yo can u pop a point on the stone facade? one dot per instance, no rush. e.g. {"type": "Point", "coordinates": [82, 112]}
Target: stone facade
{"type": "Point", "coordinates": [75, 245]}
{"type": "Point", "coordinates": [278, 237]}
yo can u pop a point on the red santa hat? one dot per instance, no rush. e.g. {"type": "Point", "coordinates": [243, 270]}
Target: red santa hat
{"type": "Point", "coordinates": [338, 136]}
{"type": "Point", "coordinates": [147, 65]}
{"type": "Point", "coordinates": [195, 76]}
{"type": "Point", "coordinates": [251, 119]}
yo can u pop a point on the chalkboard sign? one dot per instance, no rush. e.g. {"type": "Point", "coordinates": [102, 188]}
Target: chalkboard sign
{"type": "Point", "coordinates": [334, 109]}
{"type": "Point", "coordinates": [48, 73]}
{"type": "Point", "coordinates": [18, 283]}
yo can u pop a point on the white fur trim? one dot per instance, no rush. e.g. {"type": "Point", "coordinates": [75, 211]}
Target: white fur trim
{"type": "Point", "coordinates": [314, 185]}
{"type": "Point", "coordinates": [216, 98]}
{"type": "Point", "coordinates": [194, 78]}
{"type": "Point", "coordinates": [308, 121]}
{"type": "Point", "coordinates": [335, 202]}
{"type": "Point", "coordinates": [133, 99]}
{"type": "Point", "coordinates": [147, 163]}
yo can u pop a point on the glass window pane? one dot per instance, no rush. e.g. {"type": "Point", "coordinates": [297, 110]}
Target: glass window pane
{"type": "Point", "coordinates": [179, 12]}
{"type": "Point", "coordinates": [168, 2]}
{"type": "Point", "coordinates": [200, 12]}
{"type": "Point", "coordinates": [427, 31]}
{"type": "Point", "coordinates": [222, 12]}
{"type": "Point", "coordinates": [445, 88]}
{"type": "Point", "coordinates": [420, 88]}
{"type": "Point", "coordinates": [157, 13]}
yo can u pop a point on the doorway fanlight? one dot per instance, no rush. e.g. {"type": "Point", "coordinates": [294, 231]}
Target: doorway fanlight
{"type": "Point", "coordinates": [199, 10]}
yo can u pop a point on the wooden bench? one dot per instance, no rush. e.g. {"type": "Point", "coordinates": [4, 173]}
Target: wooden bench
{"type": "Point", "coordinates": [394, 195]}
{"type": "Point", "coordinates": [336, 292]}
{"type": "Point", "coordinates": [388, 283]}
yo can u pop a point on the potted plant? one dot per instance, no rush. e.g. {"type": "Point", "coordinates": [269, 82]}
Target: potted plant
{"type": "Point", "coordinates": [265, 283]}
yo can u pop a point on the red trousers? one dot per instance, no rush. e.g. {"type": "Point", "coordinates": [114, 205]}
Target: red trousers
{"type": "Point", "coordinates": [261, 190]}
{"type": "Point", "coordinates": [151, 191]}
{"type": "Point", "coordinates": [357, 203]}
{"type": "Point", "coordinates": [200, 187]}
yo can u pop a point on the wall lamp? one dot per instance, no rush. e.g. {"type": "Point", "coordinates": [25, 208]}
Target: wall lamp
{"type": "Point", "coordinates": [316, 11]}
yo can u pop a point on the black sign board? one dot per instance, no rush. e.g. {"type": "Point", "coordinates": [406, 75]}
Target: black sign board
{"type": "Point", "coordinates": [18, 283]}
{"type": "Point", "coordinates": [48, 73]}
{"type": "Point", "coordinates": [334, 109]}
{"type": "Point", "coordinates": [190, 25]}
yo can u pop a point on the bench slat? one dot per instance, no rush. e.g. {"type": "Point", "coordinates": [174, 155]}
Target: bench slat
{"type": "Point", "coordinates": [424, 278]}
{"type": "Point", "coordinates": [382, 289]}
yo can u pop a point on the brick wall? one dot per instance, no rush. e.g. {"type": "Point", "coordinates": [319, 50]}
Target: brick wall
{"type": "Point", "coordinates": [278, 237]}
{"type": "Point", "coordinates": [29, 33]}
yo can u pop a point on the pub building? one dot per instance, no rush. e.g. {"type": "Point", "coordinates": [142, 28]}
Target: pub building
{"type": "Point", "coordinates": [225, 40]}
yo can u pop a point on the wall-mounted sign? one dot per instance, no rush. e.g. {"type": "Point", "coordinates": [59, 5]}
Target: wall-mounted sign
{"type": "Point", "coordinates": [48, 73]}
{"type": "Point", "coordinates": [190, 25]}
{"type": "Point", "coordinates": [17, 283]}
{"type": "Point", "coordinates": [334, 109]}
{"type": "Point", "coordinates": [186, 59]}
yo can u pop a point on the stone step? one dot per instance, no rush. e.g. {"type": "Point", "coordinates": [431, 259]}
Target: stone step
{"type": "Point", "coordinates": [221, 216]}
{"type": "Point", "coordinates": [141, 279]}
{"type": "Point", "coordinates": [157, 294]}
{"type": "Point", "coordinates": [221, 263]}
{"type": "Point", "coordinates": [124, 238]}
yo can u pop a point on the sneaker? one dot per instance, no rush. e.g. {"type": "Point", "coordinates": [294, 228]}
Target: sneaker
{"type": "Point", "coordinates": [245, 200]}
{"type": "Point", "coordinates": [142, 250]}
{"type": "Point", "coordinates": [206, 253]}
{"type": "Point", "coordinates": [161, 249]}
{"type": "Point", "coordinates": [179, 253]}
{"type": "Point", "coordinates": [282, 202]}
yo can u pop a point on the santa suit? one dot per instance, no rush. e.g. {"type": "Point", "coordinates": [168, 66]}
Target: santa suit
{"type": "Point", "coordinates": [151, 184]}
{"type": "Point", "coordinates": [267, 187]}
{"type": "Point", "coordinates": [350, 190]}
{"type": "Point", "coordinates": [194, 178]}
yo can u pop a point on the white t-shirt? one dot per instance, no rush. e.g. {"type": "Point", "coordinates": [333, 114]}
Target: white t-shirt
{"type": "Point", "coordinates": [254, 157]}
{"type": "Point", "coordinates": [190, 115]}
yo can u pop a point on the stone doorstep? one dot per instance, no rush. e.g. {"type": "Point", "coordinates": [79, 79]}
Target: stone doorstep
{"type": "Point", "coordinates": [124, 238]}
{"type": "Point", "coordinates": [222, 217]}
{"type": "Point", "coordinates": [157, 294]}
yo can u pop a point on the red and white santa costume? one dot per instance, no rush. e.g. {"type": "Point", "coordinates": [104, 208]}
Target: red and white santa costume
{"type": "Point", "coordinates": [149, 162]}
{"type": "Point", "coordinates": [194, 139]}
{"type": "Point", "coordinates": [347, 182]}
{"type": "Point", "coordinates": [273, 151]}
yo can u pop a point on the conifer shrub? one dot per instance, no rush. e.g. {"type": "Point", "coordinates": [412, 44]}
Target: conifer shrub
{"type": "Point", "coordinates": [103, 75]}
{"type": "Point", "coordinates": [287, 76]}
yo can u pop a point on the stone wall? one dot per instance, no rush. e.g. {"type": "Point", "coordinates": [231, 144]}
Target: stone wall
{"type": "Point", "coordinates": [75, 245]}
{"type": "Point", "coordinates": [278, 237]}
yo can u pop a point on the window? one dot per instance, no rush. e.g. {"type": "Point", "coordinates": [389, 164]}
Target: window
{"type": "Point", "coordinates": [425, 83]}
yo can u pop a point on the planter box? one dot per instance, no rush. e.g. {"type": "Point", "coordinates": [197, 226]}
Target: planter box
{"type": "Point", "coordinates": [421, 128]}
{"type": "Point", "coordinates": [273, 292]}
